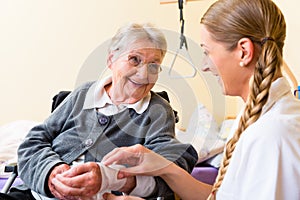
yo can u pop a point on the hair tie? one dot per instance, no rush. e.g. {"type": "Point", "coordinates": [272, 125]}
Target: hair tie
{"type": "Point", "coordinates": [263, 41]}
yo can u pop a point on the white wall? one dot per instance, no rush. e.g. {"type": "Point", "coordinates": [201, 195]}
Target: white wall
{"type": "Point", "coordinates": [292, 16]}
{"type": "Point", "coordinates": [43, 44]}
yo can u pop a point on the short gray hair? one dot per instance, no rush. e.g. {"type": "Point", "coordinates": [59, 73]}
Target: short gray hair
{"type": "Point", "coordinates": [131, 33]}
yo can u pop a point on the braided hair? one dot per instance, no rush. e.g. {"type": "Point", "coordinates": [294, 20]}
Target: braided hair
{"type": "Point", "coordinates": [263, 23]}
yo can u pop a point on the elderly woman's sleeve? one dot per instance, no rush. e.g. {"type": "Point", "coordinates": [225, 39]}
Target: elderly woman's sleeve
{"type": "Point", "coordinates": [36, 156]}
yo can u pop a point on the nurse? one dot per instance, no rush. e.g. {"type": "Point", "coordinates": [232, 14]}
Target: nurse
{"type": "Point", "coordinates": [243, 44]}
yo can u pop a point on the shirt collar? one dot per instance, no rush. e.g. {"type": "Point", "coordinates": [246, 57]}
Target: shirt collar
{"type": "Point", "coordinates": [98, 98]}
{"type": "Point", "coordinates": [279, 88]}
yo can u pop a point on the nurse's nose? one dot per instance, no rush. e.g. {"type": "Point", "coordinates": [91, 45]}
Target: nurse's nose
{"type": "Point", "coordinates": [204, 68]}
{"type": "Point", "coordinates": [205, 64]}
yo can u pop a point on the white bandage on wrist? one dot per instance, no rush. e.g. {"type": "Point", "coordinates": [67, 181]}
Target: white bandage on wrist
{"type": "Point", "coordinates": [109, 182]}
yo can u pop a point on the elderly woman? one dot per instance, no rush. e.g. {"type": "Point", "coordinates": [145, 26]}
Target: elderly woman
{"type": "Point", "coordinates": [61, 157]}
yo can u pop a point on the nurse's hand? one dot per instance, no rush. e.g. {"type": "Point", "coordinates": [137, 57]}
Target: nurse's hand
{"type": "Point", "coordinates": [141, 160]}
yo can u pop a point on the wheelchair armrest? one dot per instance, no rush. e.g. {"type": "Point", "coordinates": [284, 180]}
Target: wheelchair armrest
{"type": "Point", "coordinates": [10, 168]}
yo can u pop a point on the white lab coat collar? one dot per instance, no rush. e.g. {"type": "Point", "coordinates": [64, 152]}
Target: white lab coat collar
{"type": "Point", "coordinates": [279, 88]}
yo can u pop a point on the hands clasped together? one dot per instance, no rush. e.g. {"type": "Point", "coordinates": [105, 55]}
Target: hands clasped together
{"type": "Point", "coordinates": [91, 180]}
{"type": "Point", "coordinates": [87, 181]}
{"type": "Point", "coordinates": [77, 182]}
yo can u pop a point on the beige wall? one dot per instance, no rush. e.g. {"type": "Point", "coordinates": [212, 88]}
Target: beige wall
{"type": "Point", "coordinates": [43, 44]}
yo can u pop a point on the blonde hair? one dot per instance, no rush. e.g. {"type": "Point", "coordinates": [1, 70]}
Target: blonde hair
{"type": "Point", "coordinates": [261, 21]}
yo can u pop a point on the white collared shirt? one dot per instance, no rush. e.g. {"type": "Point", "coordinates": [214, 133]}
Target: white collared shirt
{"type": "Point", "coordinates": [99, 99]}
{"type": "Point", "coordinates": [266, 160]}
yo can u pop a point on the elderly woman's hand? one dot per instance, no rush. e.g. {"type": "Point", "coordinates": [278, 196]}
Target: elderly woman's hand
{"type": "Point", "coordinates": [59, 169]}
{"type": "Point", "coordinates": [141, 160]}
{"type": "Point", "coordinates": [79, 182]}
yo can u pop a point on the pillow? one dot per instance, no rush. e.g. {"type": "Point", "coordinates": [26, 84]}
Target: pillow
{"type": "Point", "coordinates": [204, 133]}
{"type": "Point", "coordinates": [12, 135]}
{"type": "Point", "coordinates": [225, 130]}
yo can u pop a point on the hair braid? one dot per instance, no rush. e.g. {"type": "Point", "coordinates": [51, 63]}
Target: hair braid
{"type": "Point", "coordinates": [265, 70]}
{"type": "Point", "coordinates": [271, 25]}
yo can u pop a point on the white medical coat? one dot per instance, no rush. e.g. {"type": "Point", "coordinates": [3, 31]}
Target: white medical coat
{"type": "Point", "coordinates": [266, 162]}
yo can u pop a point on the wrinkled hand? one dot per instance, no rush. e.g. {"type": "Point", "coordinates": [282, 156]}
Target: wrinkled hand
{"type": "Point", "coordinates": [56, 170]}
{"type": "Point", "coordinates": [79, 182]}
{"type": "Point", "coordinates": [109, 196]}
{"type": "Point", "coordinates": [142, 161]}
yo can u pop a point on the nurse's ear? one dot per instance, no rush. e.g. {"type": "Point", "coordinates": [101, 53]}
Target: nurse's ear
{"type": "Point", "coordinates": [245, 49]}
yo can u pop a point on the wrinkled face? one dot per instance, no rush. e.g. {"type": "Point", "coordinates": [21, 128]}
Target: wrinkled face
{"type": "Point", "coordinates": [135, 72]}
{"type": "Point", "coordinates": [223, 64]}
